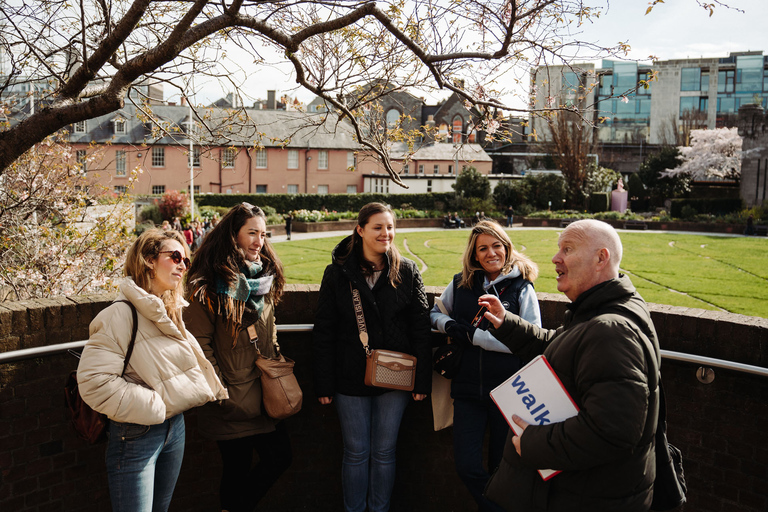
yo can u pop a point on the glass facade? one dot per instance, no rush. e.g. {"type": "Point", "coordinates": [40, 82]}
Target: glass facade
{"type": "Point", "coordinates": [627, 118]}
{"type": "Point", "coordinates": [745, 84]}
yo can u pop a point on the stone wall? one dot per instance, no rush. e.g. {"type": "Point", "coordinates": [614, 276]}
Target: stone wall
{"type": "Point", "coordinates": [44, 467]}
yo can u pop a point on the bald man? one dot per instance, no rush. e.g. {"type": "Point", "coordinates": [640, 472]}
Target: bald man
{"type": "Point", "coordinates": [606, 452]}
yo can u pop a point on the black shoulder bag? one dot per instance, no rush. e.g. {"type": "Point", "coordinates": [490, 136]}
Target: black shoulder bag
{"type": "Point", "coordinates": [669, 488]}
{"type": "Point", "coordinates": [89, 424]}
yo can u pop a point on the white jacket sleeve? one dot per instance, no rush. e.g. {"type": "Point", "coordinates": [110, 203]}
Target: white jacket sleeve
{"type": "Point", "coordinates": [529, 310]}
{"type": "Point", "coordinates": [99, 373]}
{"type": "Point", "coordinates": [436, 317]}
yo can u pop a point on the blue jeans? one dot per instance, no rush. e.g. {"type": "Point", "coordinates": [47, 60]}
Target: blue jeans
{"type": "Point", "coordinates": [369, 427]}
{"type": "Point", "coordinates": [471, 417]}
{"type": "Point", "coordinates": [143, 464]}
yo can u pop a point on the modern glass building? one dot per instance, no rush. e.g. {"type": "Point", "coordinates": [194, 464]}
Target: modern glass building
{"type": "Point", "coordinates": [679, 96]}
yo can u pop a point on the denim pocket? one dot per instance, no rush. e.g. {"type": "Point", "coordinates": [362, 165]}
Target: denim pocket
{"type": "Point", "coordinates": [129, 431]}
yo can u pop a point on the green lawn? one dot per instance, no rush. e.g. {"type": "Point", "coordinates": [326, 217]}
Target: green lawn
{"type": "Point", "coordinates": [708, 272]}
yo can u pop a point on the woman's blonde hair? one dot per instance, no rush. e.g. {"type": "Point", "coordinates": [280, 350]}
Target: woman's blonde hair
{"type": "Point", "coordinates": [528, 269]}
{"type": "Point", "coordinates": [146, 249]}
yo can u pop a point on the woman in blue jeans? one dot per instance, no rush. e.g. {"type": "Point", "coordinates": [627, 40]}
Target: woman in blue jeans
{"type": "Point", "coordinates": [167, 374]}
{"type": "Point", "coordinates": [396, 312]}
{"type": "Point", "coordinates": [490, 265]}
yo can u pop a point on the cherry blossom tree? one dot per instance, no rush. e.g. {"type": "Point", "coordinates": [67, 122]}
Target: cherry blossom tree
{"type": "Point", "coordinates": [712, 154]}
{"type": "Point", "coordinates": [55, 238]}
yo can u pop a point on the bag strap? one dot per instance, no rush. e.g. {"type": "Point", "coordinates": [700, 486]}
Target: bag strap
{"type": "Point", "coordinates": [134, 329]}
{"type": "Point", "coordinates": [361, 328]}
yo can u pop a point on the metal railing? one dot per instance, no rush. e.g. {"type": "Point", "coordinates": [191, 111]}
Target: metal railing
{"type": "Point", "coordinates": [31, 353]}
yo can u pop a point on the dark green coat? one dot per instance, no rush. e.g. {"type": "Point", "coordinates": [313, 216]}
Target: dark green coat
{"type": "Point", "coordinates": [607, 463]}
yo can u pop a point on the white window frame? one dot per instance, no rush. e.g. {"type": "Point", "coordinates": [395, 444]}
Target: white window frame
{"type": "Point", "coordinates": [351, 160]}
{"type": "Point", "coordinates": [158, 156]}
{"type": "Point", "coordinates": [421, 169]}
{"type": "Point", "coordinates": [120, 189]}
{"type": "Point", "coordinates": [351, 189]}
{"type": "Point", "coordinates": [261, 189]}
{"type": "Point", "coordinates": [80, 127]}
{"type": "Point", "coordinates": [261, 158]}
{"type": "Point", "coordinates": [322, 159]}
{"type": "Point", "coordinates": [82, 159]}
{"type": "Point", "coordinates": [121, 125]}
{"type": "Point", "coordinates": [436, 169]}
{"type": "Point", "coordinates": [228, 158]}
{"type": "Point", "coordinates": [293, 189]}
{"type": "Point", "coordinates": [293, 159]}
{"type": "Point", "coordinates": [120, 163]}
{"type": "Point", "coordinates": [322, 189]}
{"type": "Point", "coordinates": [158, 189]}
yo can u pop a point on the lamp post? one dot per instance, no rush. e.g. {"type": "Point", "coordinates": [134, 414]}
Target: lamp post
{"type": "Point", "coordinates": [191, 164]}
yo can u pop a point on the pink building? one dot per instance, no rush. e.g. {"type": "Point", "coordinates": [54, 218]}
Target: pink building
{"type": "Point", "coordinates": [259, 151]}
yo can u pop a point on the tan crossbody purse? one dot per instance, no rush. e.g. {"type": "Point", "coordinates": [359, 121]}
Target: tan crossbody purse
{"type": "Point", "coordinates": [383, 368]}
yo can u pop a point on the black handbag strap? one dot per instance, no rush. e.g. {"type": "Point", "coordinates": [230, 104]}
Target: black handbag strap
{"type": "Point", "coordinates": [361, 328]}
{"type": "Point", "coordinates": [133, 334]}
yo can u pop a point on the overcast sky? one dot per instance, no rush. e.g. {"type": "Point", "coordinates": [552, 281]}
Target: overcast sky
{"type": "Point", "coordinates": [676, 29]}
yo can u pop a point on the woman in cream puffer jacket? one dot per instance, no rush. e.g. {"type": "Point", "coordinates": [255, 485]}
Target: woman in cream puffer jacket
{"type": "Point", "coordinates": [167, 374]}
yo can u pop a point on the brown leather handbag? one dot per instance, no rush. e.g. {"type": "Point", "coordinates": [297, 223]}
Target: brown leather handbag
{"type": "Point", "coordinates": [280, 391]}
{"type": "Point", "coordinates": [89, 424]}
{"type": "Point", "coordinates": [383, 368]}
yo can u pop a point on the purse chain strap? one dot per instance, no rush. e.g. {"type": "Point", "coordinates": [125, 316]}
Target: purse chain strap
{"type": "Point", "coordinates": [361, 328]}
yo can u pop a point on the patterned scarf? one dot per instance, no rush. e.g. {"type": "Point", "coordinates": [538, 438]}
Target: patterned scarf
{"type": "Point", "coordinates": [243, 298]}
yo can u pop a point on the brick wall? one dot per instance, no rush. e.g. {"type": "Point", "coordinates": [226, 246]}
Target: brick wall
{"type": "Point", "coordinates": [44, 467]}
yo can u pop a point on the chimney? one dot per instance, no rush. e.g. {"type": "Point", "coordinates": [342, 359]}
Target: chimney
{"type": "Point", "coordinates": [429, 129]}
{"type": "Point", "coordinates": [271, 103]}
{"type": "Point", "coordinates": [183, 100]}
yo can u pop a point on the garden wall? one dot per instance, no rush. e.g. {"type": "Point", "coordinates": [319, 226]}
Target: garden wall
{"type": "Point", "coordinates": [44, 467]}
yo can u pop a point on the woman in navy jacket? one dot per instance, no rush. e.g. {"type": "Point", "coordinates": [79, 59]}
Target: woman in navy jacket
{"type": "Point", "coordinates": [490, 265]}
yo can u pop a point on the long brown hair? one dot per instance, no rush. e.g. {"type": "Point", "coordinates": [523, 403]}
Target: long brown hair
{"type": "Point", "coordinates": [146, 249]}
{"type": "Point", "coordinates": [356, 244]}
{"type": "Point", "coordinates": [528, 269]}
{"type": "Point", "coordinates": [220, 256]}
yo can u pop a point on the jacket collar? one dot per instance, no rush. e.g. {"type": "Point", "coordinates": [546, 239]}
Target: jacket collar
{"type": "Point", "coordinates": [588, 303]}
{"type": "Point", "coordinates": [151, 307]}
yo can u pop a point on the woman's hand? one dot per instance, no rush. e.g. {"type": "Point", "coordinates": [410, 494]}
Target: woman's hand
{"type": "Point", "coordinates": [325, 400]}
{"type": "Point", "coordinates": [495, 310]}
{"type": "Point", "coordinates": [418, 396]}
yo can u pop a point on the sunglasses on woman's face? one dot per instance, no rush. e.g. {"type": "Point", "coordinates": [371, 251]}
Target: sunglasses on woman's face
{"type": "Point", "coordinates": [177, 257]}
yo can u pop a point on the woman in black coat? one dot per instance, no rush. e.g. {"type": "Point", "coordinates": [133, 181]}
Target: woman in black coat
{"type": "Point", "coordinates": [396, 313]}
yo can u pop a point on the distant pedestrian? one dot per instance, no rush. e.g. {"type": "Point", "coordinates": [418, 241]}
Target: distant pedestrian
{"type": "Point", "coordinates": [177, 224]}
{"type": "Point", "coordinates": [288, 222]}
{"type": "Point", "coordinates": [510, 214]}
{"type": "Point", "coordinates": [750, 226]}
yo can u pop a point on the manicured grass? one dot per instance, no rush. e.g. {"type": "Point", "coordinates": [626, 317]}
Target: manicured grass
{"type": "Point", "coordinates": [709, 272]}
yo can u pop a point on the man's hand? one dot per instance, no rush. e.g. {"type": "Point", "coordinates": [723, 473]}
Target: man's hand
{"type": "Point", "coordinates": [325, 400]}
{"type": "Point", "coordinates": [520, 422]}
{"type": "Point", "coordinates": [495, 310]}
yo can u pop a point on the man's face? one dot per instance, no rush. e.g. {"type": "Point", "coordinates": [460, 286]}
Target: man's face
{"type": "Point", "coordinates": [576, 264]}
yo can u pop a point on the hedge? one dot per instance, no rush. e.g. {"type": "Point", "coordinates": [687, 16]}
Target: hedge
{"type": "Point", "coordinates": [332, 202]}
{"type": "Point", "coordinates": [599, 202]}
{"type": "Point", "coordinates": [711, 206]}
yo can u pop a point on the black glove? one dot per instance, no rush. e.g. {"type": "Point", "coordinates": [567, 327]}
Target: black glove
{"type": "Point", "coordinates": [460, 331]}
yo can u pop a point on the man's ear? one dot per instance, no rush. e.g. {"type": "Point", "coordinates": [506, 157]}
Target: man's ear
{"type": "Point", "coordinates": [603, 258]}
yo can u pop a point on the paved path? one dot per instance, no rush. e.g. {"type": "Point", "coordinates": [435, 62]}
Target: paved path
{"type": "Point", "coordinates": [330, 234]}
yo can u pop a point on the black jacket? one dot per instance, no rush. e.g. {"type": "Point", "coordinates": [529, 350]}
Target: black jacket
{"type": "Point", "coordinates": [608, 463]}
{"type": "Point", "coordinates": [396, 319]}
